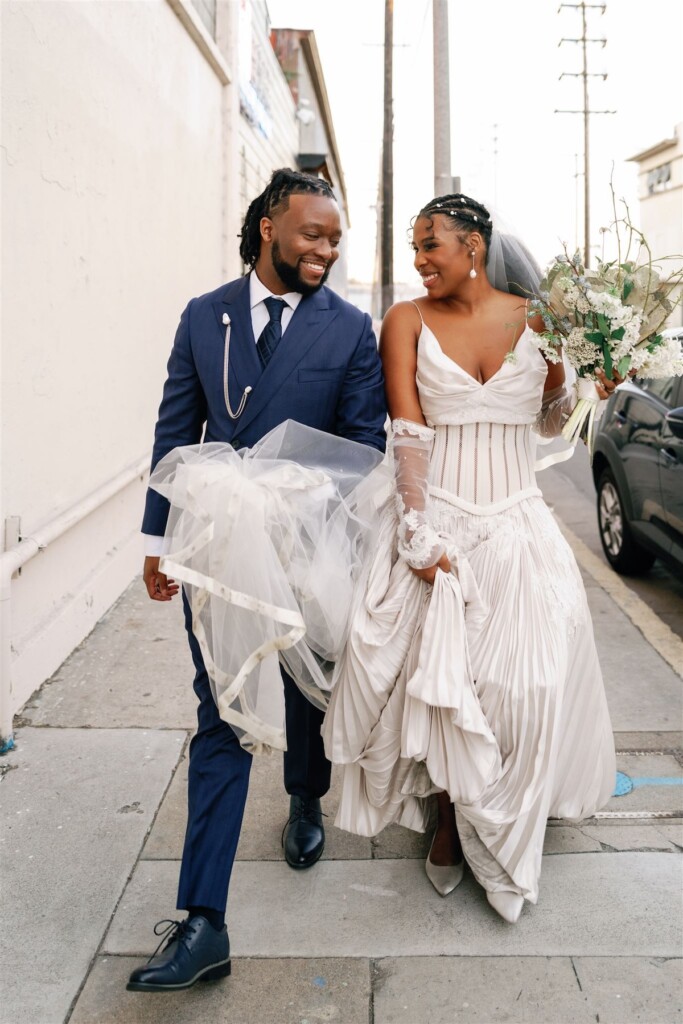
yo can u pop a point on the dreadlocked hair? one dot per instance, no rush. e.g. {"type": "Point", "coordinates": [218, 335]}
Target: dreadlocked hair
{"type": "Point", "coordinates": [464, 213]}
{"type": "Point", "coordinates": [274, 199]}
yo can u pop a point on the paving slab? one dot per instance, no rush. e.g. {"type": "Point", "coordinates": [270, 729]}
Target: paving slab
{"type": "Point", "coordinates": [387, 907]}
{"type": "Point", "coordinates": [486, 990]}
{"type": "Point", "coordinates": [653, 782]}
{"type": "Point", "coordinates": [76, 806]}
{"type": "Point", "coordinates": [661, 741]}
{"type": "Point", "coordinates": [396, 841]}
{"type": "Point", "coordinates": [134, 670]}
{"type": "Point", "coordinates": [563, 839]}
{"type": "Point", "coordinates": [674, 833]}
{"type": "Point", "coordinates": [631, 990]}
{"type": "Point", "coordinates": [264, 818]}
{"type": "Point", "coordinates": [287, 991]}
{"type": "Point", "coordinates": [628, 837]}
{"type": "Point", "coordinates": [643, 692]}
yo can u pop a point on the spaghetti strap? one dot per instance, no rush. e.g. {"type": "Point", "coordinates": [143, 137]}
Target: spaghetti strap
{"type": "Point", "coordinates": [417, 308]}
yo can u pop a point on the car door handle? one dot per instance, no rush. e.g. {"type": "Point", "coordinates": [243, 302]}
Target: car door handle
{"type": "Point", "coordinates": [669, 454]}
{"type": "Point", "coordinates": [620, 418]}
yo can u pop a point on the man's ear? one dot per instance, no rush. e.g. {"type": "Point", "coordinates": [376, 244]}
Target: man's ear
{"type": "Point", "coordinates": [266, 228]}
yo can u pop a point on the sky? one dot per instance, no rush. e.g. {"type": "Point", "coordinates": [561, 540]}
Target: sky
{"type": "Point", "coordinates": [505, 63]}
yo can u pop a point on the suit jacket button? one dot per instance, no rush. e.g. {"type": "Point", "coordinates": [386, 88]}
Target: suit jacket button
{"type": "Point", "coordinates": [236, 443]}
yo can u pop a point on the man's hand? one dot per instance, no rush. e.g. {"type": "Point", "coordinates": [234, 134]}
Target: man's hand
{"type": "Point", "coordinates": [159, 587]}
{"type": "Point", "coordinates": [429, 575]}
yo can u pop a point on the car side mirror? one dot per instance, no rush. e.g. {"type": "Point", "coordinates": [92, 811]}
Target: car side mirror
{"type": "Point", "coordinates": [674, 421]}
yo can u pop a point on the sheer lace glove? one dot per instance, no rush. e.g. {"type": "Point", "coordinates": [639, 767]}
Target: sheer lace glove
{"type": "Point", "coordinates": [558, 404]}
{"type": "Point", "coordinates": [418, 543]}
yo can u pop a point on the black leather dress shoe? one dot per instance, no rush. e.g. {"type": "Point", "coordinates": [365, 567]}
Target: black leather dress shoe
{"type": "Point", "coordinates": [303, 837]}
{"type": "Point", "coordinates": [195, 951]}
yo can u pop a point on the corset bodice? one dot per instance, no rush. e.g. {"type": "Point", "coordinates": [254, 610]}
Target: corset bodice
{"type": "Point", "coordinates": [484, 450]}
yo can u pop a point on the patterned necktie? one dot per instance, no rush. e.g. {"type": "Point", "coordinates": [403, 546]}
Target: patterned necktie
{"type": "Point", "coordinates": [272, 332]}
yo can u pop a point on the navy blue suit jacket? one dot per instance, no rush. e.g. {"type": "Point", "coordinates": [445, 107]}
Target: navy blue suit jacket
{"type": "Point", "coordinates": [325, 373]}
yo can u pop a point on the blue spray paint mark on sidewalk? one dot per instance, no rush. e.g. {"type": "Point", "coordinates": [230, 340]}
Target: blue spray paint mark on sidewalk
{"type": "Point", "coordinates": [625, 784]}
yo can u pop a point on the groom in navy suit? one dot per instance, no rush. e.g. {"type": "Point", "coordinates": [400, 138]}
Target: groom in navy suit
{"type": "Point", "coordinates": [271, 346]}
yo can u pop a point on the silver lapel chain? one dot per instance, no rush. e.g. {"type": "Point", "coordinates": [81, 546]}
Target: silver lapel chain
{"type": "Point", "coordinates": [226, 357]}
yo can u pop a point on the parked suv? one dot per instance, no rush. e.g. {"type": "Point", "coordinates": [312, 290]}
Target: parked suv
{"type": "Point", "coordinates": [638, 474]}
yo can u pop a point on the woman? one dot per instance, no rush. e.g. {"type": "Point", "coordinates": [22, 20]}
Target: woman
{"type": "Point", "coordinates": [471, 669]}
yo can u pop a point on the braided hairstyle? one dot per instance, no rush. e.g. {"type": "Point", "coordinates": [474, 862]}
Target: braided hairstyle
{"type": "Point", "coordinates": [463, 213]}
{"type": "Point", "coordinates": [274, 199]}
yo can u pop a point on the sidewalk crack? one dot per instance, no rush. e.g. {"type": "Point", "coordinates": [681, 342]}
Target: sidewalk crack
{"type": "Point", "coordinates": [576, 973]}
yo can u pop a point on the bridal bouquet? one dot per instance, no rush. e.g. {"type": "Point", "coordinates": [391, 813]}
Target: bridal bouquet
{"type": "Point", "coordinates": [608, 319]}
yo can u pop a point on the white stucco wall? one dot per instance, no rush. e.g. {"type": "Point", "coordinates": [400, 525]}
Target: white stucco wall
{"type": "Point", "coordinates": [112, 202]}
{"type": "Point", "coordinates": [126, 171]}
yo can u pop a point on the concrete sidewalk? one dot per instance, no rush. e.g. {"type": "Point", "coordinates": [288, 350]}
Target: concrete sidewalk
{"type": "Point", "coordinates": [94, 806]}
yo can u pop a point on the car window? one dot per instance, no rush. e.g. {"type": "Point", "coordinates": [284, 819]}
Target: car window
{"type": "Point", "coordinates": [663, 389]}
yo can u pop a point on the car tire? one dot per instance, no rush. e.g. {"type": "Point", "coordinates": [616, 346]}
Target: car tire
{"type": "Point", "coordinates": [622, 552]}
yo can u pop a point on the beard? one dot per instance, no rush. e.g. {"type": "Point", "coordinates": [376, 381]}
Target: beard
{"type": "Point", "coordinates": [290, 276]}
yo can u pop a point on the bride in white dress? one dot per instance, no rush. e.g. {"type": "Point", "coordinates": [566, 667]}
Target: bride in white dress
{"type": "Point", "coordinates": [471, 669]}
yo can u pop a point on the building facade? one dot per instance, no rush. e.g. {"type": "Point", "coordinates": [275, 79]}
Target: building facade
{"type": "Point", "coordinates": [660, 192]}
{"type": "Point", "coordinates": [134, 136]}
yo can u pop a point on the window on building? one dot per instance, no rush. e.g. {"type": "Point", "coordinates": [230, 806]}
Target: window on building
{"type": "Point", "coordinates": [659, 178]}
{"type": "Point", "coordinates": [206, 9]}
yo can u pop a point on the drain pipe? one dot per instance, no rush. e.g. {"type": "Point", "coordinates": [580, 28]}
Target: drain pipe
{"type": "Point", "coordinates": [15, 557]}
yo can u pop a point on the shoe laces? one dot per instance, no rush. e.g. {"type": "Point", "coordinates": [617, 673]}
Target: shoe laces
{"type": "Point", "coordinates": [304, 811]}
{"type": "Point", "coordinates": [174, 931]}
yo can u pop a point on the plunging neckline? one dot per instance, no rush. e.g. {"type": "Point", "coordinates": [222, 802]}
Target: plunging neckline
{"type": "Point", "coordinates": [480, 383]}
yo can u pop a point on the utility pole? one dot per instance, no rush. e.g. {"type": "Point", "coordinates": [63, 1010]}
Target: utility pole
{"type": "Point", "coordinates": [443, 181]}
{"type": "Point", "coordinates": [584, 74]}
{"type": "Point", "coordinates": [577, 218]}
{"type": "Point", "coordinates": [387, 260]}
{"type": "Point", "coordinates": [495, 166]}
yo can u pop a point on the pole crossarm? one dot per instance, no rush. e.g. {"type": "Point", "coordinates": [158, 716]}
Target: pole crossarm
{"type": "Point", "coordinates": [602, 41]}
{"type": "Point", "coordinates": [579, 74]}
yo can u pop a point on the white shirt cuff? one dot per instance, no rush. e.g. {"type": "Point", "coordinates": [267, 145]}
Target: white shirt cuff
{"type": "Point", "coordinates": [155, 546]}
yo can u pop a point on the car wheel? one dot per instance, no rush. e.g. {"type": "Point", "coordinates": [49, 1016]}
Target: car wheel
{"type": "Point", "coordinates": [621, 550]}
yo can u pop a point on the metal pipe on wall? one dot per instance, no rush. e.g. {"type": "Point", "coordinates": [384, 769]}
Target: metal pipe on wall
{"type": "Point", "coordinates": [13, 559]}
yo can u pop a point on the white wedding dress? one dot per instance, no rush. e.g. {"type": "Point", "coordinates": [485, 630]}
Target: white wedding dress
{"type": "Point", "coordinates": [486, 685]}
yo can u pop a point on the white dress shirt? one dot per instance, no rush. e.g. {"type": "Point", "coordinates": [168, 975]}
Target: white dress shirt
{"type": "Point", "coordinates": [259, 318]}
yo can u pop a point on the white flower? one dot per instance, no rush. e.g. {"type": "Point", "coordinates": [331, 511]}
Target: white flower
{"type": "Point", "coordinates": [581, 352]}
{"type": "Point", "coordinates": [578, 301]}
{"type": "Point", "coordinates": [666, 359]}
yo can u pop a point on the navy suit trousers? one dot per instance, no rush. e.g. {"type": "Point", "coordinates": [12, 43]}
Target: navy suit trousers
{"type": "Point", "coordinates": [219, 781]}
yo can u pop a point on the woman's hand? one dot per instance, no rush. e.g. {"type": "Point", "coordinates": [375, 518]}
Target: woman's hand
{"type": "Point", "coordinates": [429, 575]}
{"type": "Point", "coordinates": [605, 386]}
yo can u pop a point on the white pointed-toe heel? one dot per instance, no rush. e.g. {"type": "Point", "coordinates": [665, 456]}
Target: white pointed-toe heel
{"type": "Point", "coordinates": [445, 878]}
{"type": "Point", "coordinates": [507, 904]}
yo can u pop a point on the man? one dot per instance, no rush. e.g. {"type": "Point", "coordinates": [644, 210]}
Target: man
{"type": "Point", "coordinates": [296, 351]}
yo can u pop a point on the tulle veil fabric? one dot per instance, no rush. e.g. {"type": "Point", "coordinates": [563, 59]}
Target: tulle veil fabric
{"type": "Point", "coordinates": [269, 543]}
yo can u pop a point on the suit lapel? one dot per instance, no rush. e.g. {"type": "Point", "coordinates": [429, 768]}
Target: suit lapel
{"type": "Point", "coordinates": [311, 317]}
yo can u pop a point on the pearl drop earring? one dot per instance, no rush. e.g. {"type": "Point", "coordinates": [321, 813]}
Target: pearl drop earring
{"type": "Point", "coordinates": [473, 272]}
